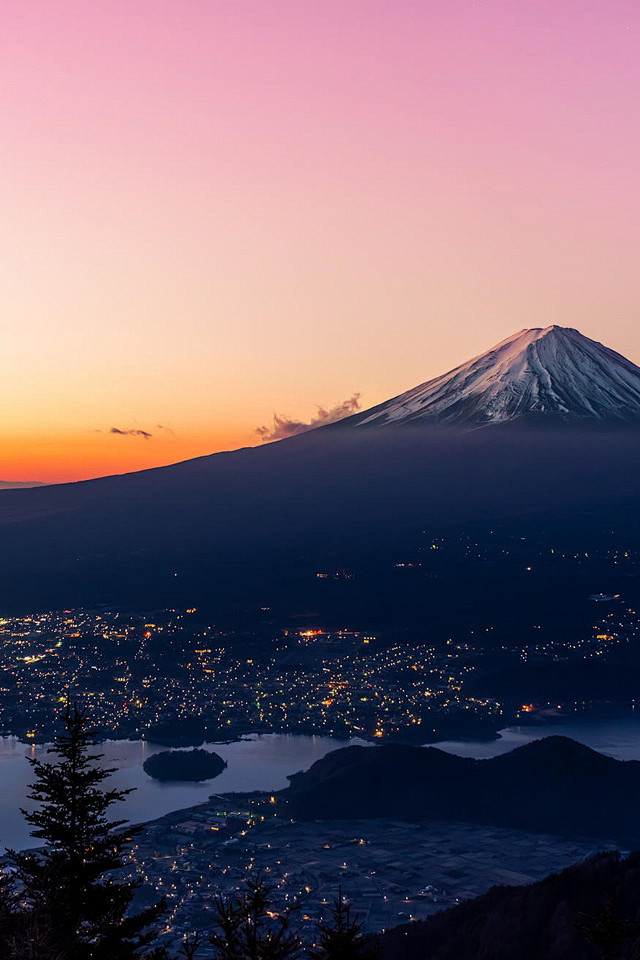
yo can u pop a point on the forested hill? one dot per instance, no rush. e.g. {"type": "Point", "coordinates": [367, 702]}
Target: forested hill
{"type": "Point", "coordinates": [554, 785]}
{"type": "Point", "coordinates": [554, 919]}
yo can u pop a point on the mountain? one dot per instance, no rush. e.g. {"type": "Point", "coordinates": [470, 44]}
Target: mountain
{"type": "Point", "coordinates": [361, 494]}
{"type": "Point", "coordinates": [554, 785]}
{"type": "Point", "coordinates": [540, 374]}
{"type": "Point", "coordinates": [19, 484]}
{"type": "Point", "coordinates": [530, 922]}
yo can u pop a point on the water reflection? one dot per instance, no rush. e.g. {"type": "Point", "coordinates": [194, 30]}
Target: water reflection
{"type": "Point", "coordinates": [261, 763]}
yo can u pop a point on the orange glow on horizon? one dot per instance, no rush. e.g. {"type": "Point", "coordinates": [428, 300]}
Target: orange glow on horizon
{"type": "Point", "coordinates": [60, 458]}
{"type": "Point", "coordinates": [214, 211]}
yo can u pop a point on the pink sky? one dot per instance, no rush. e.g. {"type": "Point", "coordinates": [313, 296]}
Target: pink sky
{"type": "Point", "coordinates": [218, 209]}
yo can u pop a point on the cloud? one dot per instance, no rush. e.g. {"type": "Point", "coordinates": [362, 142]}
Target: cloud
{"type": "Point", "coordinates": [284, 427]}
{"type": "Point", "coordinates": [131, 433]}
{"type": "Point", "coordinates": [138, 432]}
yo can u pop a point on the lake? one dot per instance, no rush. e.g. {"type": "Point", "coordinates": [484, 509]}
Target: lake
{"type": "Point", "coordinates": [618, 738]}
{"type": "Point", "coordinates": [263, 763]}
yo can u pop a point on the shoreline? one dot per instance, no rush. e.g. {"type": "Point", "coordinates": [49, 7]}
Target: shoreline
{"type": "Point", "coordinates": [463, 733]}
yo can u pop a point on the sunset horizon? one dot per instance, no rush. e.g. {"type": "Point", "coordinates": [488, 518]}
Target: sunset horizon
{"type": "Point", "coordinates": [219, 212]}
{"type": "Point", "coordinates": [156, 445]}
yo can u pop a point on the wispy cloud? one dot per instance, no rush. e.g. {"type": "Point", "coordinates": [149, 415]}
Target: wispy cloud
{"type": "Point", "coordinates": [131, 433]}
{"type": "Point", "coordinates": [283, 427]}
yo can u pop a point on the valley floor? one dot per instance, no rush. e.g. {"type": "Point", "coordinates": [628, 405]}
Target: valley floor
{"type": "Point", "coordinates": [391, 871]}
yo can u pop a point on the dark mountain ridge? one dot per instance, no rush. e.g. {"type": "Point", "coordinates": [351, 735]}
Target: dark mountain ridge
{"type": "Point", "coordinates": [554, 785]}
{"type": "Point", "coordinates": [321, 495]}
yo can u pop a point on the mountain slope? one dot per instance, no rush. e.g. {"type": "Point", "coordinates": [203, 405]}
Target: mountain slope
{"type": "Point", "coordinates": [328, 497]}
{"type": "Point", "coordinates": [543, 373]}
{"type": "Point", "coordinates": [19, 484]}
{"type": "Point", "coordinates": [542, 920]}
{"type": "Point", "coordinates": [554, 785]}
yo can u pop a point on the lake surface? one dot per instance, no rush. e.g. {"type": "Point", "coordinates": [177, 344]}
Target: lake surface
{"type": "Point", "coordinates": [261, 763]}
{"type": "Point", "coordinates": [617, 738]}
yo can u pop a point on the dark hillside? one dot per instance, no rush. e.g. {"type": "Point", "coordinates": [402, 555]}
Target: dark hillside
{"type": "Point", "coordinates": [233, 521]}
{"type": "Point", "coordinates": [554, 785]}
{"type": "Point", "coordinates": [537, 922]}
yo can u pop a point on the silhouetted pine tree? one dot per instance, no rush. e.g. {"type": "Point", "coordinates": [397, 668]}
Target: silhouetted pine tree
{"type": "Point", "coordinates": [341, 937]}
{"type": "Point", "coordinates": [67, 889]}
{"type": "Point", "coordinates": [248, 930]}
{"type": "Point", "coordinates": [606, 931]}
{"type": "Point", "coordinates": [7, 909]}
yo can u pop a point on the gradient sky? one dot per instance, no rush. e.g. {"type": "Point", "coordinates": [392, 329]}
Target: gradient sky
{"type": "Point", "coordinates": [214, 210]}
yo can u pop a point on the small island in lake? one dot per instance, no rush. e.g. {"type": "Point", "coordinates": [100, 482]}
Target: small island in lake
{"type": "Point", "coordinates": [193, 765]}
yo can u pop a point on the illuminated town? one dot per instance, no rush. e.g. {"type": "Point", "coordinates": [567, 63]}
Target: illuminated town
{"type": "Point", "coordinates": [135, 671]}
{"type": "Point", "coordinates": [140, 671]}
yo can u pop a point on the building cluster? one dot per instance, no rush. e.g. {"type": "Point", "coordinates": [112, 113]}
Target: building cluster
{"type": "Point", "coordinates": [133, 671]}
{"type": "Point", "coordinates": [390, 871]}
{"type": "Point", "coordinates": [613, 632]}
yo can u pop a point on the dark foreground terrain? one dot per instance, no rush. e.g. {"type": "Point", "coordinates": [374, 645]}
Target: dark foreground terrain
{"type": "Point", "coordinates": [543, 921]}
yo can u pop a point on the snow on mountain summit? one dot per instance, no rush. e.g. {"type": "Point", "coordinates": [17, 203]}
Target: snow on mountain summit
{"type": "Point", "coordinates": [543, 373]}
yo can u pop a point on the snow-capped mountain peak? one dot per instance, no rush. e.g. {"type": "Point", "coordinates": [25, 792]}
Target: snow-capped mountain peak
{"type": "Point", "coordinates": [543, 373]}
